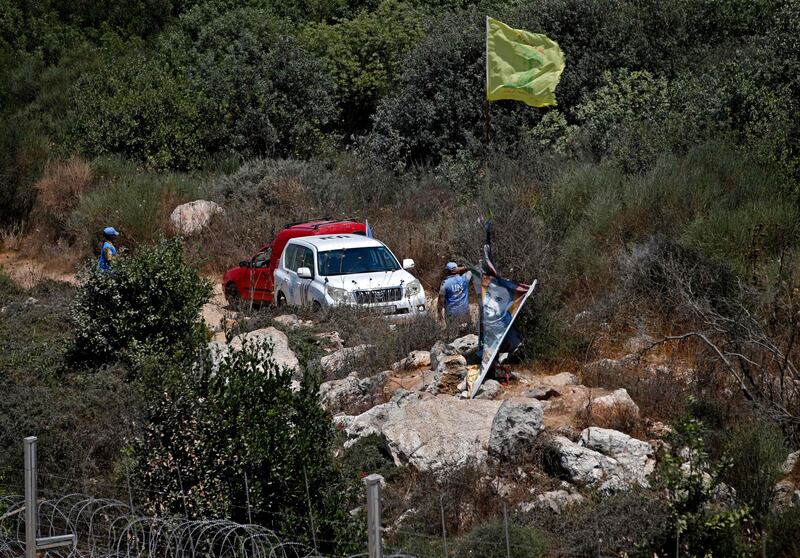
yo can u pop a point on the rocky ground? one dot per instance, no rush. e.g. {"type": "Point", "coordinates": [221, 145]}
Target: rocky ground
{"type": "Point", "coordinates": [419, 406]}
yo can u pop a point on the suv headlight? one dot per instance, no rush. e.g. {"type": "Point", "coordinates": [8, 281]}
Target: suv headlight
{"type": "Point", "coordinates": [337, 294]}
{"type": "Point", "coordinates": [413, 288]}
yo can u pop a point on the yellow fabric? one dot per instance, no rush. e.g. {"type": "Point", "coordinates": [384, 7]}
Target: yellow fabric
{"type": "Point", "coordinates": [521, 66]}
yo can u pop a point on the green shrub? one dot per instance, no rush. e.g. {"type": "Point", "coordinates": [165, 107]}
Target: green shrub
{"type": "Point", "coordinates": [488, 541]}
{"type": "Point", "coordinates": [756, 451]}
{"type": "Point", "coordinates": [149, 302]}
{"type": "Point", "coordinates": [137, 107]}
{"type": "Point", "coordinates": [782, 533]}
{"type": "Point", "coordinates": [225, 423]}
{"type": "Point", "coordinates": [365, 55]}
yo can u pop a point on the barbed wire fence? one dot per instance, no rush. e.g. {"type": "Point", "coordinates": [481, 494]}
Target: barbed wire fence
{"type": "Point", "coordinates": [106, 527]}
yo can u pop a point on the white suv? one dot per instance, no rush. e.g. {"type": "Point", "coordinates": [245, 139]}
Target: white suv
{"type": "Point", "coordinates": [346, 269]}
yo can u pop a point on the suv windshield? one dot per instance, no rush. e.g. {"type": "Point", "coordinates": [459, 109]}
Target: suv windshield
{"type": "Point", "coordinates": [356, 260]}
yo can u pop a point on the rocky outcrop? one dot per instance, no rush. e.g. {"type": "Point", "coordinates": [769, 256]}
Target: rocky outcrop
{"type": "Point", "coordinates": [352, 393]}
{"type": "Point", "coordinates": [439, 352]}
{"type": "Point", "coordinates": [342, 359]}
{"type": "Point", "coordinates": [430, 433]}
{"type": "Point", "coordinates": [466, 345]}
{"type": "Point", "coordinates": [515, 428]}
{"type": "Point", "coordinates": [281, 353]}
{"type": "Point", "coordinates": [635, 457]}
{"type": "Point", "coordinates": [618, 403]}
{"type": "Point", "coordinates": [191, 218]}
{"type": "Point", "coordinates": [414, 360]}
{"type": "Point", "coordinates": [787, 490]}
{"type": "Point", "coordinates": [489, 389]}
{"type": "Point", "coordinates": [555, 500]}
{"type": "Point", "coordinates": [546, 387]}
{"type": "Point", "coordinates": [450, 372]}
{"type": "Point", "coordinates": [605, 458]}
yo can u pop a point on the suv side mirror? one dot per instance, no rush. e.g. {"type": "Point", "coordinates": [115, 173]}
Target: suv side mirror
{"type": "Point", "coordinates": [304, 273]}
{"type": "Point", "coordinates": [244, 263]}
{"type": "Point", "coordinates": [408, 263]}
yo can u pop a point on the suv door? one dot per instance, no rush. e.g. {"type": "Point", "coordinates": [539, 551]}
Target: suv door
{"type": "Point", "coordinates": [297, 256]}
{"type": "Point", "coordinates": [284, 276]}
{"type": "Point", "coordinates": [261, 280]}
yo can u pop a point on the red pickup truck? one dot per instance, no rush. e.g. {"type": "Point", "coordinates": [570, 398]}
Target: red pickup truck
{"type": "Point", "coordinates": [253, 278]}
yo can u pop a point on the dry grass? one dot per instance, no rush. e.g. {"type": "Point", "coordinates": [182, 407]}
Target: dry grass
{"type": "Point", "coordinates": [616, 417]}
{"type": "Point", "coordinates": [61, 186]}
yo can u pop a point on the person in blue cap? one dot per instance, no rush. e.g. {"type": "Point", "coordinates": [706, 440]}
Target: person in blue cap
{"type": "Point", "coordinates": [107, 251]}
{"type": "Point", "coordinates": [453, 303]}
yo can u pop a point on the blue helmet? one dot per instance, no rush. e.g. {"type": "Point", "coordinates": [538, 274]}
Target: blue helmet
{"type": "Point", "coordinates": [110, 231]}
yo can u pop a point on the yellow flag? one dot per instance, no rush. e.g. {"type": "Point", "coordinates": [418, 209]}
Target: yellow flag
{"type": "Point", "coordinates": [521, 66]}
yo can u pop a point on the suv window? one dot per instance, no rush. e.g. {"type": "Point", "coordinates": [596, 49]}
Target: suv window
{"type": "Point", "coordinates": [299, 256]}
{"type": "Point", "coordinates": [288, 256]}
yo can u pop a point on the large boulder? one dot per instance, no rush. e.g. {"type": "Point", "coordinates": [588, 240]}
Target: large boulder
{"type": "Point", "coordinates": [613, 407]}
{"type": "Point", "coordinates": [430, 433]}
{"type": "Point", "coordinates": [191, 218]}
{"type": "Point", "coordinates": [546, 387]}
{"type": "Point", "coordinates": [352, 393]}
{"type": "Point", "coordinates": [515, 428]}
{"type": "Point", "coordinates": [281, 353]}
{"type": "Point", "coordinates": [605, 458]}
{"type": "Point", "coordinates": [580, 464]}
{"type": "Point", "coordinates": [342, 359]}
{"type": "Point", "coordinates": [635, 457]}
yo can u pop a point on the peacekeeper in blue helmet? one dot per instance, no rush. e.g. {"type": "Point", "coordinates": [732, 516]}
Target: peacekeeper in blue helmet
{"type": "Point", "coordinates": [107, 251]}
{"type": "Point", "coordinates": [453, 303]}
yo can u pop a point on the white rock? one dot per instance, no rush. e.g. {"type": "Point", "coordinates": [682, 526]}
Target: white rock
{"type": "Point", "coordinates": [790, 463]}
{"type": "Point", "coordinates": [581, 464]}
{"type": "Point", "coordinates": [329, 341]}
{"type": "Point", "coordinates": [515, 427]}
{"type": "Point", "coordinates": [191, 218]}
{"type": "Point", "coordinates": [430, 433]}
{"type": "Point", "coordinates": [439, 352]}
{"type": "Point", "coordinates": [555, 500]}
{"type": "Point", "coordinates": [281, 353]}
{"type": "Point", "coordinates": [450, 372]}
{"type": "Point", "coordinates": [343, 358]}
{"type": "Point", "coordinates": [635, 457]}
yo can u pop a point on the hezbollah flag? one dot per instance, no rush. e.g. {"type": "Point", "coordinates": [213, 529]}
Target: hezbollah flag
{"type": "Point", "coordinates": [521, 66]}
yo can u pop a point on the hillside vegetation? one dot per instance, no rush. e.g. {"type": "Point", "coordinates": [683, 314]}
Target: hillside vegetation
{"type": "Point", "coordinates": [660, 199]}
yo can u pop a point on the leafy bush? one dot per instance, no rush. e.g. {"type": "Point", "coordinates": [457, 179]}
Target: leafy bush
{"type": "Point", "coordinates": [756, 451]}
{"type": "Point", "coordinates": [149, 302]}
{"type": "Point", "coordinates": [365, 55]}
{"type": "Point", "coordinates": [488, 540]}
{"type": "Point", "coordinates": [136, 106]}
{"type": "Point", "coordinates": [230, 437]}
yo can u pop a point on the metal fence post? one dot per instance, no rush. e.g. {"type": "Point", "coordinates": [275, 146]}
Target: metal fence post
{"type": "Point", "coordinates": [373, 483]}
{"type": "Point", "coordinates": [30, 496]}
{"type": "Point", "coordinates": [33, 544]}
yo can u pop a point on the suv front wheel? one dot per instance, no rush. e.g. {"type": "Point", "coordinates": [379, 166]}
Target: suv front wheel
{"type": "Point", "coordinates": [280, 300]}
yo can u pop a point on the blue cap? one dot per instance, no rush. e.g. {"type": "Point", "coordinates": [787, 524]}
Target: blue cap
{"type": "Point", "coordinates": [451, 266]}
{"type": "Point", "coordinates": [110, 231]}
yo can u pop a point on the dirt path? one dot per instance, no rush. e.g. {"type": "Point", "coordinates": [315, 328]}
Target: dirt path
{"type": "Point", "coordinates": [29, 272]}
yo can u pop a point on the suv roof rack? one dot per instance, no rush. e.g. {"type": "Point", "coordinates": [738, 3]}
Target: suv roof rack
{"type": "Point", "coordinates": [317, 222]}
